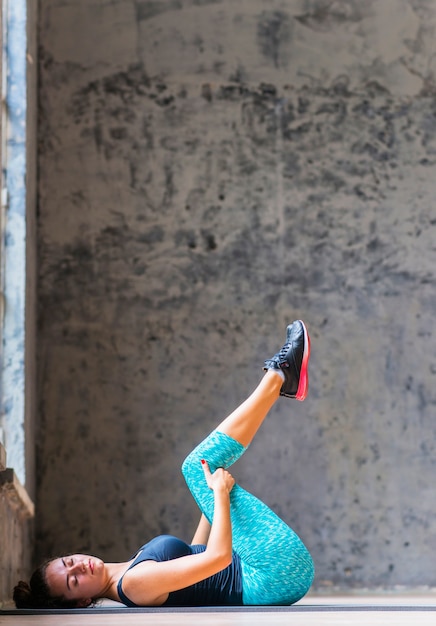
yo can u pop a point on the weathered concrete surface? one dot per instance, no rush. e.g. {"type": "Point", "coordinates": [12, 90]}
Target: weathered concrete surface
{"type": "Point", "coordinates": [16, 541]}
{"type": "Point", "coordinates": [210, 170]}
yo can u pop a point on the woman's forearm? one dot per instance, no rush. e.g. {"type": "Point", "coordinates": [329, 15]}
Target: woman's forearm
{"type": "Point", "coordinates": [202, 533]}
{"type": "Point", "coordinates": [219, 545]}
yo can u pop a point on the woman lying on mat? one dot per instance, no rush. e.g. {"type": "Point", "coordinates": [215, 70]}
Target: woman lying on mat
{"type": "Point", "coordinates": [241, 554]}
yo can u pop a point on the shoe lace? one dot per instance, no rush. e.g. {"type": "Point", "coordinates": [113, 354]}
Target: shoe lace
{"type": "Point", "coordinates": [283, 352]}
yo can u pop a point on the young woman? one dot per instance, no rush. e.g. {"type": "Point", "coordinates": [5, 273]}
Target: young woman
{"type": "Point", "coordinates": [241, 553]}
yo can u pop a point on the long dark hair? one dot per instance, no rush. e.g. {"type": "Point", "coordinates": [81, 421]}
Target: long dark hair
{"type": "Point", "coordinates": [36, 594]}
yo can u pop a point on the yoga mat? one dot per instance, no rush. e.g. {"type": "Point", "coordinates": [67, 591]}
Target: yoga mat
{"type": "Point", "coordinates": [296, 608]}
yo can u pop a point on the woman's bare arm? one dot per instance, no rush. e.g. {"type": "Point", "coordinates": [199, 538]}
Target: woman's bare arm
{"type": "Point", "coordinates": [149, 583]}
{"type": "Point", "coordinates": [202, 533]}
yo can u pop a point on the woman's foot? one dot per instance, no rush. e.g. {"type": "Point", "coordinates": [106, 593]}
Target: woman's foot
{"type": "Point", "coordinates": [292, 360]}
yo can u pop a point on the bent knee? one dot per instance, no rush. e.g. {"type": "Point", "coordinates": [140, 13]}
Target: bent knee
{"type": "Point", "coordinates": [191, 464]}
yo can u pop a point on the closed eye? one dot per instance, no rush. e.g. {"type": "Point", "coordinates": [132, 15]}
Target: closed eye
{"type": "Point", "coordinates": [64, 563]}
{"type": "Point", "coordinates": [69, 563]}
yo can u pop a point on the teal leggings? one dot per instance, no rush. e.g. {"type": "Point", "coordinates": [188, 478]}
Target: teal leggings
{"type": "Point", "coordinates": [277, 568]}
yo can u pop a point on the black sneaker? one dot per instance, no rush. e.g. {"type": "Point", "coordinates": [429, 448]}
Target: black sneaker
{"type": "Point", "coordinates": [293, 360]}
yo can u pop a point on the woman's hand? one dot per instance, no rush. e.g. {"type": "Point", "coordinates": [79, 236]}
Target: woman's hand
{"type": "Point", "coordinates": [220, 480]}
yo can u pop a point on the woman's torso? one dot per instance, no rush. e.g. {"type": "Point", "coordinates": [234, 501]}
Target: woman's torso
{"type": "Point", "coordinates": [223, 588]}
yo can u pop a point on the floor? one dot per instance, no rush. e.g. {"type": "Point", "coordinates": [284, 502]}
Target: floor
{"type": "Point", "coordinates": [355, 610]}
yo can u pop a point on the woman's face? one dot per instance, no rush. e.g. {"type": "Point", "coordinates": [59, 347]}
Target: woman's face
{"type": "Point", "coordinates": [76, 577]}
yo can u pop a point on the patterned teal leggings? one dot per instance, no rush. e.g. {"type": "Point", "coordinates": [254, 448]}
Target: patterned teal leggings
{"type": "Point", "coordinates": [277, 568]}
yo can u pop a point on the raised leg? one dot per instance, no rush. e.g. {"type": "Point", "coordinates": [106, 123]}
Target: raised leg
{"type": "Point", "coordinates": [286, 375]}
{"type": "Point", "coordinates": [244, 422]}
{"type": "Point", "coordinates": [277, 568]}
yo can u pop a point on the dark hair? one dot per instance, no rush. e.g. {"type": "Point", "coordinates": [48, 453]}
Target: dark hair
{"type": "Point", "coordinates": [36, 594]}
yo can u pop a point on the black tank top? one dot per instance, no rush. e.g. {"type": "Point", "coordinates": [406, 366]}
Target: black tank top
{"type": "Point", "coordinates": [223, 588]}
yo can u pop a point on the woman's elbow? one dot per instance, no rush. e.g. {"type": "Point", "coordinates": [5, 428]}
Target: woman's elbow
{"type": "Point", "coordinates": [224, 560]}
{"type": "Point", "coordinates": [221, 560]}
{"type": "Point", "coordinates": [228, 560]}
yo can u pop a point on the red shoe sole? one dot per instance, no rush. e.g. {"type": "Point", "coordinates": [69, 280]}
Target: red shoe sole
{"type": "Point", "coordinates": [304, 374]}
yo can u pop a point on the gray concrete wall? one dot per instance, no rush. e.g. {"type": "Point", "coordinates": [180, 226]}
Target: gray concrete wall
{"type": "Point", "coordinates": [209, 170]}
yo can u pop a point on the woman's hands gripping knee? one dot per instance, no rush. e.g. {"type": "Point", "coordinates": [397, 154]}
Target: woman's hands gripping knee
{"type": "Point", "coordinates": [220, 480]}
